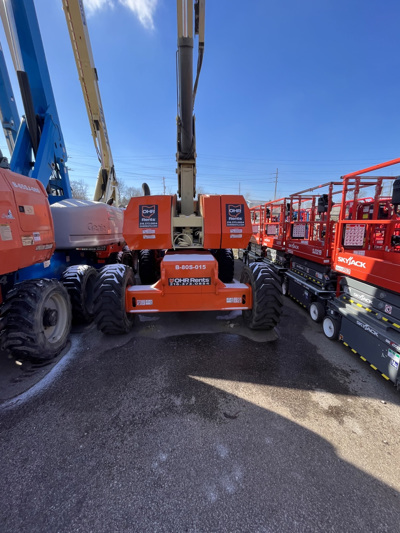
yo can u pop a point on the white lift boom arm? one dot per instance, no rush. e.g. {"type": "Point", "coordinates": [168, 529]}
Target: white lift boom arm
{"type": "Point", "coordinates": [107, 185]}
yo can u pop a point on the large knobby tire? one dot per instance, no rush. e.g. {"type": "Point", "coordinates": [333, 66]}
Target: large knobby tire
{"type": "Point", "coordinates": [148, 267]}
{"type": "Point", "coordinates": [109, 300]}
{"type": "Point", "coordinates": [37, 319]}
{"type": "Point", "coordinates": [267, 296]}
{"type": "Point", "coordinates": [125, 257]}
{"type": "Point", "coordinates": [226, 265]}
{"type": "Point", "coordinates": [80, 281]}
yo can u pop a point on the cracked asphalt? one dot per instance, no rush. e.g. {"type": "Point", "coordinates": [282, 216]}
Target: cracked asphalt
{"type": "Point", "coordinates": [163, 431]}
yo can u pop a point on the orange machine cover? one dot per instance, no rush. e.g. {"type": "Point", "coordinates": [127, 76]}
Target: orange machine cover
{"type": "Point", "coordinates": [147, 223]}
{"type": "Point", "coordinates": [26, 225]}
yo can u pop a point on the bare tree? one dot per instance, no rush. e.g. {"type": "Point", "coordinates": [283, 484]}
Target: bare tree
{"type": "Point", "coordinates": [126, 192]}
{"type": "Point", "coordinates": [79, 190]}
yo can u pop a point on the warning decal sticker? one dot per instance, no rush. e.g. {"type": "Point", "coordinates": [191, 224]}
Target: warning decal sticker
{"type": "Point", "coordinates": [148, 216]}
{"type": "Point", "coordinates": [5, 232]}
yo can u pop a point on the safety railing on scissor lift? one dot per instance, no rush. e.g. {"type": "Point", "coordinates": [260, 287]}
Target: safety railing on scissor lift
{"type": "Point", "coordinates": [367, 242]}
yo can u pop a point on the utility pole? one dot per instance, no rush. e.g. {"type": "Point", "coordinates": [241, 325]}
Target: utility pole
{"type": "Point", "coordinates": [276, 183]}
{"type": "Point", "coordinates": [164, 184]}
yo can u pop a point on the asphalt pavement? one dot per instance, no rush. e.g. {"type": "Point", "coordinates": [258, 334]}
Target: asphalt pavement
{"type": "Point", "coordinates": [173, 429]}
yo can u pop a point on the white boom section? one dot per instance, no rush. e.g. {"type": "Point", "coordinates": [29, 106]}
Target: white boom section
{"type": "Point", "coordinates": [107, 185]}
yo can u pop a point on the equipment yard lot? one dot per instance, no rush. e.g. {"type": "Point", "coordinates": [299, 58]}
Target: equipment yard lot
{"type": "Point", "coordinates": [203, 432]}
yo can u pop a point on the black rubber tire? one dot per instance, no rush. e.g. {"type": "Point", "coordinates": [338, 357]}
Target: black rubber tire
{"type": "Point", "coordinates": [148, 267]}
{"type": "Point", "coordinates": [267, 296]}
{"type": "Point", "coordinates": [125, 257]}
{"type": "Point", "coordinates": [285, 287]}
{"type": "Point", "coordinates": [80, 282]}
{"type": "Point", "coordinates": [146, 189]}
{"type": "Point", "coordinates": [226, 264]}
{"type": "Point", "coordinates": [109, 300]}
{"type": "Point", "coordinates": [37, 319]}
{"type": "Point", "coordinates": [331, 328]}
{"type": "Point", "coordinates": [317, 311]}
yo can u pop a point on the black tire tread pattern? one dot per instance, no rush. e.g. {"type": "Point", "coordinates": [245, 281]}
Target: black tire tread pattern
{"type": "Point", "coordinates": [147, 267]}
{"type": "Point", "coordinates": [23, 333]}
{"type": "Point", "coordinates": [77, 280]}
{"type": "Point", "coordinates": [109, 300]}
{"type": "Point", "coordinates": [226, 265]}
{"type": "Point", "coordinates": [267, 296]}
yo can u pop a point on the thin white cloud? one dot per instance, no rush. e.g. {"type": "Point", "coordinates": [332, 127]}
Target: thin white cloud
{"type": "Point", "coordinates": [96, 5]}
{"type": "Point", "coordinates": [142, 9]}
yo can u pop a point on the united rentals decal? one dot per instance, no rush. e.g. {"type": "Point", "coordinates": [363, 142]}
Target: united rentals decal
{"type": "Point", "coordinates": [235, 215]}
{"type": "Point", "coordinates": [148, 216]}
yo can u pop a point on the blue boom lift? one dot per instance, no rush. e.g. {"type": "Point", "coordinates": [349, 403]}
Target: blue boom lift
{"type": "Point", "coordinates": [87, 234]}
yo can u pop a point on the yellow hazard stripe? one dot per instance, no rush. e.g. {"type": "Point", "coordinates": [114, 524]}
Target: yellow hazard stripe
{"type": "Point", "coordinates": [363, 359]}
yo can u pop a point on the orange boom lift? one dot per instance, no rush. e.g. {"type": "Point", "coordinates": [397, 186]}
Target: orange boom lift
{"type": "Point", "coordinates": [185, 244]}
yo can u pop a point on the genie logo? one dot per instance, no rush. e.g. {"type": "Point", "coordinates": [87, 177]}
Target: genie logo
{"type": "Point", "coordinates": [350, 261]}
{"type": "Point", "coordinates": [148, 216]}
{"type": "Point", "coordinates": [235, 215]}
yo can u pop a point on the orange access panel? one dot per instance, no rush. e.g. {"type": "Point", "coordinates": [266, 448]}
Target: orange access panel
{"type": "Point", "coordinates": [189, 282]}
{"type": "Point", "coordinates": [147, 223]}
{"type": "Point", "coordinates": [236, 223]}
{"type": "Point", "coordinates": [210, 210]}
{"type": "Point", "coordinates": [26, 225]}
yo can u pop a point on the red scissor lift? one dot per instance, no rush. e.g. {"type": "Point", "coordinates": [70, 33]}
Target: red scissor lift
{"type": "Point", "coordinates": [268, 242]}
{"type": "Point", "coordinates": [255, 248]}
{"type": "Point", "coordinates": [310, 279]}
{"type": "Point", "coordinates": [365, 313]}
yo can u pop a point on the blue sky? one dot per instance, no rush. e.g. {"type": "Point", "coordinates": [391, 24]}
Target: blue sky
{"type": "Point", "coordinates": [309, 87]}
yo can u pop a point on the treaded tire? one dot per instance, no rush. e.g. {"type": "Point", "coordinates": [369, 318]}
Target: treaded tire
{"type": "Point", "coordinates": [267, 296]}
{"type": "Point", "coordinates": [285, 287]}
{"type": "Point", "coordinates": [109, 300]}
{"type": "Point", "coordinates": [37, 319]}
{"type": "Point", "coordinates": [317, 311]}
{"type": "Point", "coordinates": [146, 189]}
{"type": "Point", "coordinates": [80, 281]}
{"type": "Point", "coordinates": [226, 264]}
{"type": "Point", "coordinates": [147, 267]}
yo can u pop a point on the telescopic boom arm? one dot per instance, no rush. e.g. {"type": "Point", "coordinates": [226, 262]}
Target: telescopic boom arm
{"type": "Point", "coordinates": [39, 151]}
{"type": "Point", "coordinates": [8, 108]}
{"type": "Point", "coordinates": [107, 186]}
{"type": "Point", "coordinates": [188, 26]}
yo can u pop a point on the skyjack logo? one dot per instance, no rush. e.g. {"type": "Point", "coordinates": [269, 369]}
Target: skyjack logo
{"type": "Point", "coordinates": [368, 328]}
{"type": "Point", "coordinates": [362, 298]}
{"type": "Point", "coordinates": [350, 261]}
